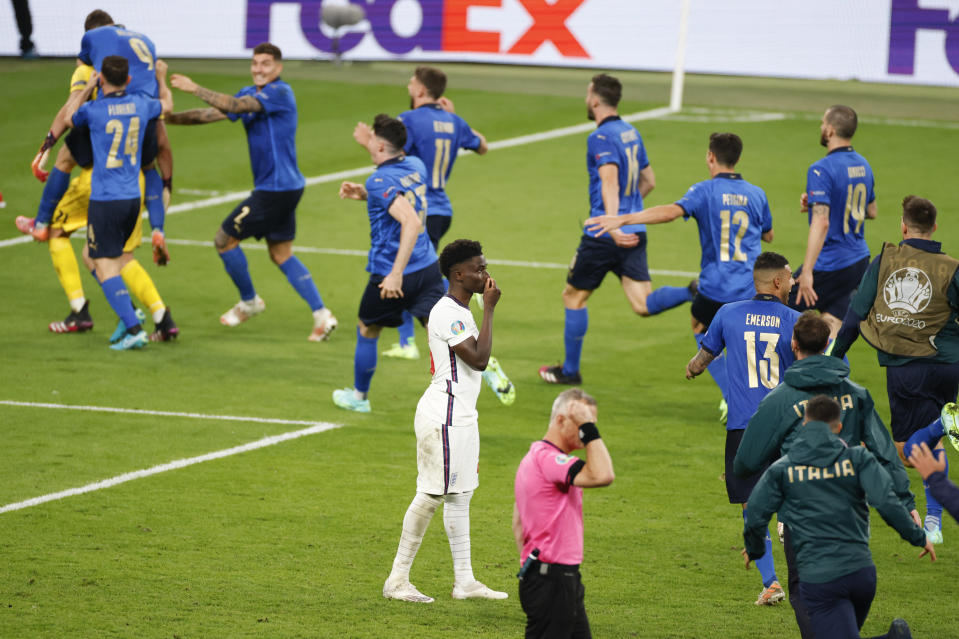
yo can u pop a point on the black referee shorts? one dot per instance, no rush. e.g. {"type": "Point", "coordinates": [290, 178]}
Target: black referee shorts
{"type": "Point", "coordinates": [553, 603]}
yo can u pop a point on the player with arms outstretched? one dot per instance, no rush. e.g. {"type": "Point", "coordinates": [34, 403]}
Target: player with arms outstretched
{"type": "Point", "coordinates": [446, 424]}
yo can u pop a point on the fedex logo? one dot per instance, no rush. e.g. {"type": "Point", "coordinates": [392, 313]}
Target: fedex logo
{"type": "Point", "coordinates": [444, 27]}
{"type": "Point", "coordinates": [907, 17]}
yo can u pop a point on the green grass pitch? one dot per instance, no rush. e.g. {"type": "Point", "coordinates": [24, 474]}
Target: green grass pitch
{"type": "Point", "coordinates": [296, 539]}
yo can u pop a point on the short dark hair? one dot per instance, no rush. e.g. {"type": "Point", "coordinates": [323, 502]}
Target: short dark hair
{"type": "Point", "coordinates": [843, 119]}
{"type": "Point", "coordinates": [770, 261]}
{"type": "Point", "coordinates": [269, 49]}
{"type": "Point", "coordinates": [391, 130]}
{"type": "Point", "coordinates": [115, 70]}
{"type": "Point", "coordinates": [433, 79]}
{"type": "Point", "coordinates": [919, 214]}
{"type": "Point", "coordinates": [608, 88]}
{"type": "Point", "coordinates": [811, 333]}
{"type": "Point", "coordinates": [727, 147]}
{"type": "Point", "coordinates": [823, 409]}
{"type": "Point", "coordinates": [457, 252]}
{"type": "Point", "coordinates": [97, 18]}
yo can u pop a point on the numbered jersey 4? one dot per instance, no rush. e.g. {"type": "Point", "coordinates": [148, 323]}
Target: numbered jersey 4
{"type": "Point", "coordinates": [117, 125]}
{"type": "Point", "coordinates": [844, 182]}
{"type": "Point", "coordinates": [137, 48]}
{"type": "Point", "coordinates": [732, 215]}
{"type": "Point", "coordinates": [400, 177]}
{"type": "Point", "coordinates": [756, 334]}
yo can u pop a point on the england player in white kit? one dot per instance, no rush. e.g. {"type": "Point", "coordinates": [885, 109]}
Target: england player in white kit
{"type": "Point", "coordinates": [446, 425]}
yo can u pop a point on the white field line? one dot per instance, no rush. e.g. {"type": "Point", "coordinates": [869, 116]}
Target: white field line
{"type": "Point", "coordinates": [314, 427]}
{"type": "Point", "coordinates": [356, 253]}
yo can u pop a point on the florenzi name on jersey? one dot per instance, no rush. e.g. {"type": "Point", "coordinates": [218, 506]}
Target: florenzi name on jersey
{"type": "Point", "coordinates": [122, 109]}
{"type": "Point", "coordinates": [753, 319]}
{"type": "Point", "coordinates": [734, 199]}
{"type": "Point", "coordinates": [856, 171]}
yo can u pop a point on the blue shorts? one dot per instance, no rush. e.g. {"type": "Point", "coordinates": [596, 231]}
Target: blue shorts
{"type": "Point", "coordinates": [109, 225]}
{"type": "Point", "coordinates": [834, 288]}
{"type": "Point", "coordinates": [917, 392]}
{"type": "Point", "coordinates": [738, 488]}
{"type": "Point", "coordinates": [269, 214]}
{"type": "Point", "coordinates": [839, 607]}
{"type": "Point", "coordinates": [421, 291]}
{"type": "Point", "coordinates": [704, 309]}
{"type": "Point", "coordinates": [436, 228]}
{"type": "Point", "coordinates": [596, 257]}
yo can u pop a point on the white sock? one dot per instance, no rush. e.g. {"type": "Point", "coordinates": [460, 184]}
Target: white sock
{"type": "Point", "coordinates": [456, 518]}
{"type": "Point", "coordinates": [158, 315]}
{"type": "Point", "coordinates": [417, 518]}
{"type": "Point", "coordinates": [77, 305]}
{"type": "Point", "coordinates": [361, 396]}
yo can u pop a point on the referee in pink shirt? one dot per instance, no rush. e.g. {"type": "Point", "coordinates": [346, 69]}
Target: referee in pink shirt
{"type": "Point", "coordinates": [548, 517]}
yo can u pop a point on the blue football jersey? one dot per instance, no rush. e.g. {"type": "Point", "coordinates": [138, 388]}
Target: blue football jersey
{"type": "Point", "coordinates": [135, 47]}
{"type": "Point", "coordinates": [399, 177]}
{"type": "Point", "coordinates": [756, 334]}
{"type": "Point", "coordinates": [842, 180]}
{"type": "Point", "coordinates": [435, 136]}
{"type": "Point", "coordinates": [732, 215]}
{"type": "Point", "coordinates": [616, 142]}
{"type": "Point", "coordinates": [117, 124]}
{"type": "Point", "coordinates": [271, 137]}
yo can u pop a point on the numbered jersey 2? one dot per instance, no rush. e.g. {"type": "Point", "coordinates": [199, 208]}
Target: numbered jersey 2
{"type": "Point", "coordinates": [117, 124]}
{"type": "Point", "coordinates": [844, 182]}
{"type": "Point", "coordinates": [732, 215]}
{"type": "Point", "coordinates": [138, 49]}
{"type": "Point", "coordinates": [400, 177]}
{"type": "Point", "coordinates": [756, 334]}
{"type": "Point", "coordinates": [616, 142]}
{"type": "Point", "coordinates": [435, 136]}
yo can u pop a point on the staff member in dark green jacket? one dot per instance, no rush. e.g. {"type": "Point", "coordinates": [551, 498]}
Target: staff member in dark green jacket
{"type": "Point", "coordinates": [821, 489]}
{"type": "Point", "coordinates": [907, 308]}
{"type": "Point", "coordinates": [771, 431]}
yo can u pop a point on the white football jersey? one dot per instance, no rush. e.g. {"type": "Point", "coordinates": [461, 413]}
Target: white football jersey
{"type": "Point", "coordinates": [451, 396]}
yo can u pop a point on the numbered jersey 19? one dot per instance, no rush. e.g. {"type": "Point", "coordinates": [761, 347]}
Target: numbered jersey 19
{"type": "Point", "coordinates": [756, 334]}
{"type": "Point", "coordinates": [843, 181]}
{"type": "Point", "coordinates": [117, 125]}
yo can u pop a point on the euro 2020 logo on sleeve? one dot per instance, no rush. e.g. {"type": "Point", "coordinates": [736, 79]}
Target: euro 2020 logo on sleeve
{"type": "Point", "coordinates": [457, 327]}
{"type": "Point", "coordinates": [908, 290]}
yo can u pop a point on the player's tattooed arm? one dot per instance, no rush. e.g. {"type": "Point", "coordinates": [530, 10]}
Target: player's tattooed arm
{"type": "Point", "coordinates": [196, 116]}
{"type": "Point", "coordinates": [228, 103]}
{"type": "Point", "coordinates": [698, 363]}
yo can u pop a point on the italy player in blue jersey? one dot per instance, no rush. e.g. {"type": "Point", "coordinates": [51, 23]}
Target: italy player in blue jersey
{"type": "Point", "coordinates": [839, 197]}
{"type": "Point", "coordinates": [403, 266]}
{"type": "Point", "coordinates": [268, 112]}
{"type": "Point", "coordinates": [620, 176]}
{"type": "Point", "coordinates": [434, 134]}
{"type": "Point", "coordinates": [756, 335]}
{"type": "Point", "coordinates": [103, 38]}
{"type": "Point", "coordinates": [116, 123]}
{"type": "Point", "coordinates": [733, 218]}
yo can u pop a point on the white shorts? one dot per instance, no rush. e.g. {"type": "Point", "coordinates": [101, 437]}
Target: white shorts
{"type": "Point", "coordinates": [447, 457]}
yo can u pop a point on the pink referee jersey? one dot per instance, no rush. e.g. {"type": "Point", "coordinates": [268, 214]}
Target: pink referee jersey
{"type": "Point", "coordinates": [550, 507]}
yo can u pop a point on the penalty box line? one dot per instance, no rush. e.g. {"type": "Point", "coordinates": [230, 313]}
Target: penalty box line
{"type": "Point", "coordinates": [312, 429]}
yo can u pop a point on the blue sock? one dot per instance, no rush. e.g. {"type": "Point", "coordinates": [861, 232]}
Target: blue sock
{"type": "Point", "coordinates": [406, 329]}
{"type": "Point", "coordinates": [236, 267]}
{"type": "Point", "coordinates": [933, 507]}
{"type": "Point", "coordinates": [717, 369]}
{"type": "Point", "coordinates": [364, 362]}
{"type": "Point", "coordinates": [53, 190]}
{"type": "Point", "coordinates": [576, 323]}
{"type": "Point", "coordinates": [931, 435]}
{"type": "Point", "coordinates": [119, 298]}
{"type": "Point", "coordinates": [302, 281]}
{"type": "Point", "coordinates": [765, 563]}
{"type": "Point", "coordinates": [154, 198]}
{"type": "Point", "coordinates": [667, 297]}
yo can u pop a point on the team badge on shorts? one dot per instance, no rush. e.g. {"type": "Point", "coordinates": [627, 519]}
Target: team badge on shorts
{"type": "Point", "coordinates": [457, 327]}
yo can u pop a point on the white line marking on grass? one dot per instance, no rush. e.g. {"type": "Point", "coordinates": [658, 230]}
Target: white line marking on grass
{"type": "Point", "coordinates": [314, 428]}
{"type": "Point", "coordinates": [356, 253]}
